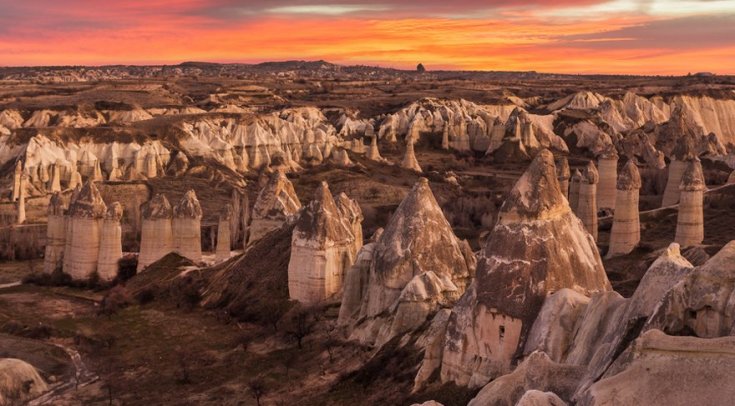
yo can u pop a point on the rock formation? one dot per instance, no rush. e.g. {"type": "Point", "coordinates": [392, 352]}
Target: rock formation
{"type": "Point", "coordinates": [607, 165]}
{"type": "Point", "coordinates": [21, 210]}
{"type": "Point", "coordinates": [321, 250]}
{"type": "Point", "coordinates": [418, 265]}
{"type": "Point", "coordinates": [187, 227]}
{"type": "Point", "coordinates": [626, 228]}
{"type": "Point", "coordinates": [574, 184]}
{"type": "Point", "coordinates": [409, 158]}
{"type": "Point", "coordinates": [657, 369]}
{"type": "Point", "coordinates": [19, 382]}
{"type": "Point", "coordinates": [55, 235]}
{"type": "Point", "coordinates": [55, 182]}
{"type": "Point", "coordinates": [351, 215]}
{"type": "Point", "coordinates": [587, 206]}
{"type": "Point", "coordinates": [224, 234]}
{"type": "Point", "coordinates": [681, 155]}
{"type": "Point", "coordinates": [356, 281]}
{"type": "Point", "coordinates": [563, 174]}
{"type": "Point", "coordinates": [17, 174]}
{"type": "Point", "coordinates": [701, 304]}
{"type": "Point", "coordinates": [275, 204]}
{"type": "Point", "coordinates": [373, 153]}
{"type": "Point", "coordinates": [690, 221]}
{"type": "Point", "coordinates": [110, 252]}
{"type": "Point", "coordinates": [86, 214]}
{"type": "Point", "coordinates": [156, 236]}
{"type": "Point", "coordinates": [537, 247]}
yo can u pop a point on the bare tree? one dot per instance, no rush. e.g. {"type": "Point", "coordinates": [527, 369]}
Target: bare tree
{"type": "Point", "coordinates": [300, 323]}
{"type": "Point", "coordinates": [257, 389]}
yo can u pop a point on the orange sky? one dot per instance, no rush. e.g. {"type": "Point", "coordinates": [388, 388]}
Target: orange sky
{"type": "Point", "coordinates": [572, 36]}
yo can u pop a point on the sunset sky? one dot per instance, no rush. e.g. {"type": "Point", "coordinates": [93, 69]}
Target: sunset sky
{"type": "Point", "coordinates": [569, 36]}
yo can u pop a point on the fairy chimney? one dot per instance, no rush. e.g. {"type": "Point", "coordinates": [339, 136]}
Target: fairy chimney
{"type": "Point", "coordinates": [690, 221]}
{"type": "Point", "coordinates": [626, 229]}
{"type": "Point", "coordinates": [85, 214]}
{"type": "Point", "coordinates": [587, 206]}
{"type": "Point", "coordinates": [156, 236]}
{"type": "Point", "coordinates": [110, 252]}
{"type": "Point", "coordinates": [187, 227]}
{"type": "Point", "coordinates": [55, 235]}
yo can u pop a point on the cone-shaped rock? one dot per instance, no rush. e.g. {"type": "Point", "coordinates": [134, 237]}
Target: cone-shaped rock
{"type": "Point", "coordinates": [276, 202]}
{"type": "Point", "coordinates": [626, 228]}
{"type": "Point", "coordinates": [352, 216]}
{"type": "Point", "coordinates": [409, 159]}
{"type": "Point", "coordinates": [321, 250]}
{"type": "Point", "coordinates": [187, 227]}
{"type": "Point", "coordinates": [110, 243]}
{"type": "Point", "coordinates": [156, 237]}
{"type": "Point", "coordinates": [537, 247]}
{"type": "Point", "coordinates": [680, 157]}
{"type": "Point", "coordinates": [690, 221]}
{"type": "Point", "coordinates": [16, 180]}
{"type": "Point", "coordinates": [374, 153]}
{"type": "Point", "coordinates": [85, 223]}
{"type": "Point", "coordinates": [418, 265]}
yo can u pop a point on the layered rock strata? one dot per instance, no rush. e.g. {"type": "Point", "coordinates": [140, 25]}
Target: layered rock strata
{"type": "Point", "coordinates": [156, 236]}
{"type": "Point", "coordinates": [321, 250]}
{"type": "Point", "coordinates": [187, 227]}
{"type": "Point", "coordinates": [587, 206]}
{"type": "Point", "coordinates": [626, 228]}
{"type": "Point", "coordinates": [110, 252]}
{"type": "Point", "coordinates": [690, 220]}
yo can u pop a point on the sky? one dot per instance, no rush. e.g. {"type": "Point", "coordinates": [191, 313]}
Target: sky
{"type": "Point", "coordinates": [563, 36]}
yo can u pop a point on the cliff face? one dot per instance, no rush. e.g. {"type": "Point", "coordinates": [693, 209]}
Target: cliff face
{"type": "Point", "coordinates": [537, 247]}
{"type": "Point", "coordinates": [276, 202]}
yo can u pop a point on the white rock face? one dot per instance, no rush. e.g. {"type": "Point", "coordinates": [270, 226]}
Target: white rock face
{"type": "Point", "coordinates": [563, 174]}
{"type": "Point", "coordinates": [626, 228]}
{"type": "Point", "coordinates": [110, 251]}
{"type": "Point", "coordinates": [86, 212]}
{"type": "Point", "coordinates": [607, 165]}
{"type": "Point", "coordinates": [538, 246]}
{"type": "Point", "coordinates": [701, 304]}
{"type": "Point", "coordinates": [156, 236]}
{"type": "Point", "coordinates": [409, 158]}
{"type": "Point", "coordinates": [321, 250]}
{"type": "Point", "coordinates": [690, 221]}
{"type": "Point", "coordinates": [665, 370]}
{"type": "Point", "coordinates": [587, 205]}
{"type": "Point", "coordinates": [356, 282]}
{"type": "Point", "coordinates": [187, 227]}
{"type": "Point", "coordinates": [55, 235]}
{"type": "Point", "coordinates": [537, 373]}
{"type": "Point", "coordinates": [224, 234]}
{"type": "Point", "coordinates": [418, 265]}
{"type": "Point", "coordinates": [15, 376]}
{"type": "Point", "coordinates": [276, 203]}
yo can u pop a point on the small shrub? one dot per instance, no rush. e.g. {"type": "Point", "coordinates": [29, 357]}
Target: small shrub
{"type": "Point", "coordinates": [115, 300]}
{"type": "Point", "coordinates": [145, 296]}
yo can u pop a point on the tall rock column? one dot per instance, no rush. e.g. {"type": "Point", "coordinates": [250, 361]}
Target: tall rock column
{"type": "Point", "coordinates": [85, 224]}
{"type": "Point", "coordinates": [409, 159]}
{"type": "Point", "coordinates": [563, 174]}
{"type": "Point", "coordinates": [626, 228]}
{"type": "Point", "coordinates": [690, 222]}
{"type": "Point", "coordinates": [574, 191]}
{"type": "Point", "coordinates": [55, 183]}
{"type": "Point", "coordinates": [224, 235]}
{"type": "Point", "coordinates": [587, 206]}
{"type": "Point", "coordinates": [156, 236]}
{"type": "Point", "coordinates": [187, 227]}
{"type": "Point", "coordinates": [682, 153]}
{"type": "Point", "coordinates": [21, 216]}
{"type": "Point", "coordinates": [16, 180]}
{"type": "Point", "coordinates": [108, 260]}
{"type": "Point", "coordinates": [276, 203]}
{"type": "Point", "coordinates": [607, 164]}
{"type": "Point", "coordinates": [351, 214]}
{"type": "Point", "coordinates": [55, 235]}
{"type": "Point", "coordinates": [321, 250]}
